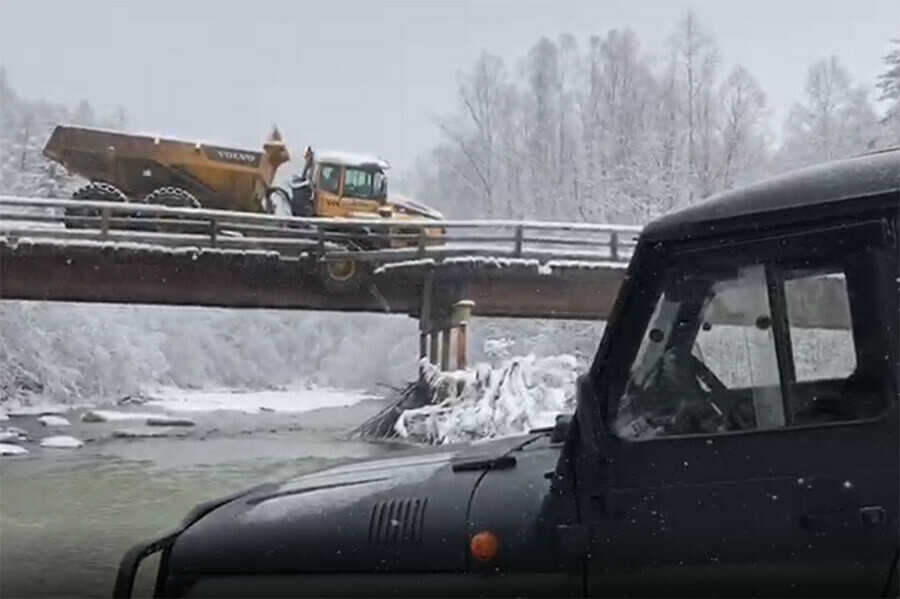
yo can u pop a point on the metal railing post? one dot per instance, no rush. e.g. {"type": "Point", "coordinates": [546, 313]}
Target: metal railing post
{"type": "Point", "coordinates": [421, 241]}
{"type": "Point", "coordinates": [520, 234]}
{"type": "Point", "coordinates": [320, 247]}
{"type": "Point", "coordinates": [213, 231]}
{"type": "Point", "coordinates": [614, 246]}
{"type": "Point", "coordinates": [104, 222]}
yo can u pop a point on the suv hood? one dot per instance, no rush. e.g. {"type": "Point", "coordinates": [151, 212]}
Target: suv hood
{"type": "Point", "coordinates": [396, 514]}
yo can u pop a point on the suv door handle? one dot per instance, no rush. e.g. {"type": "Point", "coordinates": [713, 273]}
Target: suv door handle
{"type": "Point", "coordinates": [869, 515]}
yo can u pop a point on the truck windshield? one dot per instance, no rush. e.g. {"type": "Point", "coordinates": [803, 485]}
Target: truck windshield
{"type": "Point", "coordinates": [359, 183]}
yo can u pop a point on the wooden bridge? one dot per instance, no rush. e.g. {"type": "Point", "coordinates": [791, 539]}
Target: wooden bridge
{"type": "Point", "coordinates": [85, 251]}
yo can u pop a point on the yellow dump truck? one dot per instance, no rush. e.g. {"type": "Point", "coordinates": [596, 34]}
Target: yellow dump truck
{"type": "Point", "coordinates": [155, 170]}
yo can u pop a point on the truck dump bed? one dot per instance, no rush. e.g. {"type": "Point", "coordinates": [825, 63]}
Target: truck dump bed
{"type": "Point", "coordinates": [219, 177]}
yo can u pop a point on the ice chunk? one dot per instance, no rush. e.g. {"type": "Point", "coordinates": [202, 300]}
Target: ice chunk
{"type": "Point", "coordinates": [61, 442]}
{"type": "Point", "coordinates": [53, 421]}
{"type": "Point", "coordinates": [10, 449]}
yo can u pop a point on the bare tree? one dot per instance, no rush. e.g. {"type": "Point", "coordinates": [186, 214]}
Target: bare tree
{"type": "Point", "coordinates": [475, 129]}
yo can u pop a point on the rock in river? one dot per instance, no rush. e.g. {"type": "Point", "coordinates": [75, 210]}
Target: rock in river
{"type": "Point", "coordinates": [10, 449]}
{"type": "Point", "coordinates": [53, 421]}
{"type": "Point", "coordinates": [61, 442]}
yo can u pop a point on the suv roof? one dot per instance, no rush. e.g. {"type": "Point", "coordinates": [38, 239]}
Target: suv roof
{"type": "Point", "coordinates": [823, 185]}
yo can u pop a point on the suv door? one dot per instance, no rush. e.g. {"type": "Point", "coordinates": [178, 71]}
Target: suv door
{"type": "Point", "coordinates": [752, 444]}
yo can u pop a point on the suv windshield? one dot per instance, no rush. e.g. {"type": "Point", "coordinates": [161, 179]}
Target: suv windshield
{"type": "Point", "coordinates": [359, 183]}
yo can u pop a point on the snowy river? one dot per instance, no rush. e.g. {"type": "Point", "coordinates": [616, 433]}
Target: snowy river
{"type": "Point", "coordinates": [67, 515]}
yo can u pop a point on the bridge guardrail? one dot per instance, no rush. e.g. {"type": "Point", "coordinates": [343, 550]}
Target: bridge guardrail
{"type": "Point", "coordinates": [371, 239]}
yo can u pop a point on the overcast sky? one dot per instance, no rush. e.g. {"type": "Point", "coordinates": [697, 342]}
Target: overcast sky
{"type": "Point", "coordinates": [370, 76]}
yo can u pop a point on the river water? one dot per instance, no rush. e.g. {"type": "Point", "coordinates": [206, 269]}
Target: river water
{"type": "Point", "coordinates": [67, 516]}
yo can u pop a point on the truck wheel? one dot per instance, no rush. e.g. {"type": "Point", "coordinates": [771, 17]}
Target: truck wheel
{"type": "Point", "coordinates": [95, 191]}
{"type": "Point", "coordinates": [173, 197]}
{"type": "Point", "coordinates": [343, 276]}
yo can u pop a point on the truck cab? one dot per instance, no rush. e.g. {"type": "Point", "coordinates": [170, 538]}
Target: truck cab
{"type": "Point", "coordinates": [349, 184]}
{"type": "Point", "coordinates": [736, 434]}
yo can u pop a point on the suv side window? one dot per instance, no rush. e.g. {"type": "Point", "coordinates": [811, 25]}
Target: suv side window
{"type": "Point", "coordinates": [752, 345]}
{"type": "Point", "coordinates": [820, 352]}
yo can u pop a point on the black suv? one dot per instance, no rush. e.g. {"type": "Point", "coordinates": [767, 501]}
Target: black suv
{"type": "Point", "coordinates": [737, 434]}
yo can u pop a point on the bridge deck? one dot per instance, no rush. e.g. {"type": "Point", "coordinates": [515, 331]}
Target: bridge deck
{"type": "Point", "coordinates": [83, 251]}
{"type": "Point", "coordinates": [45, 269]}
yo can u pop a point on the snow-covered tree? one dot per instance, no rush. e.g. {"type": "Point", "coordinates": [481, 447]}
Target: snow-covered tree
{"type": "Point", "coordinates": [834, 120]}
{"type": "Point", "coordinates": [889, 93]}
{"type": "Point", "coordinates": [698, 58]}
{"type": "Point", "coordinates": [25, 126]}
{"type": "Point", "coordinates": [743, 127]}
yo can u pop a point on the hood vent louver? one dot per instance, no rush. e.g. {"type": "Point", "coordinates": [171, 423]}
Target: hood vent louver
{"type": "Point", "coordinates": [396, 522]}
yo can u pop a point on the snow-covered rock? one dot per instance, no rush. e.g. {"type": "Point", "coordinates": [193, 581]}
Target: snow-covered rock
{"type": "Point", "coordinates": [26, 411]}
{"type": "Point", "coordinates": [53, 421]}
{"type": "Point", "coordinates": [13, 433]}
{"type": "Point", "coordinates": [112, 416]}
{"type": "Point", "coordinates": [61, 442]}
{"type": "Point", "coordinates": [10, 449]}
{"type": "Point", "coordinates": [147, 432]}
{"type": "Point", "coordinates": [169, 421]}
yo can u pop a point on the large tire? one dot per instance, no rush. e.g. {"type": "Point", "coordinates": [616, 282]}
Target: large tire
{"type": "Point", "coordinates": [346, 276]}
{"type": "Point", "coordinates": [94, 191]}
{"type": "Point", "coordinates": [173, 197]}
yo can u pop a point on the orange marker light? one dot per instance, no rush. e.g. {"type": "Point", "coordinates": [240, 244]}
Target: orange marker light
{"type": "Point", "coordinates": [484, 546]}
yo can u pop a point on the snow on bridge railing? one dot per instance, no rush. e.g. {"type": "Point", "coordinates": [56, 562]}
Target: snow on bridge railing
{"type": "Point", "coordinates": [372, 239]}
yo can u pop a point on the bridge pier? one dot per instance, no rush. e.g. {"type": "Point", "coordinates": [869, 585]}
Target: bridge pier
{"type": "Point", "coordinates": [439, 321]}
